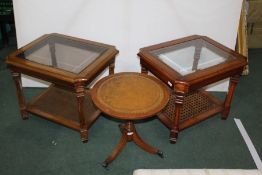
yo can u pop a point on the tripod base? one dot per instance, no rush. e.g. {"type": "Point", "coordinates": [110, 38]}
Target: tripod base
{"type": "Point", "coordinates": [129, 134]}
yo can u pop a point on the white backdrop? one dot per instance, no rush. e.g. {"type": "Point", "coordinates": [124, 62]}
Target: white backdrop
{"type": "Point", "coordinates": [127, 24]}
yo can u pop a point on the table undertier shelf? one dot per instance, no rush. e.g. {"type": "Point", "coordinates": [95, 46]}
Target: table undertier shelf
{"type": "Point", "coordinates": [197, 106]}
{"type": "Point", "coordinates": [60, 106]}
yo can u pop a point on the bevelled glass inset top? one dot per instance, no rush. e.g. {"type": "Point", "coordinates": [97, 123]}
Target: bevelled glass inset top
{"type": "Point", "coordinates": [63, 53]}
{"type": "Point", "coordinates": [188, 57]}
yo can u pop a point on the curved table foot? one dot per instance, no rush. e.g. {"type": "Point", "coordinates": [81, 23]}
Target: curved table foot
{"type": "Point", "coordinates": [116, 151]}
{"type": "Point", "coordinates": [139, 142]}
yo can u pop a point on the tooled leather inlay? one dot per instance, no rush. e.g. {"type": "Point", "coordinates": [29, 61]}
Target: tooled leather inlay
{"type": "Point", "coordinates": [130, 94]}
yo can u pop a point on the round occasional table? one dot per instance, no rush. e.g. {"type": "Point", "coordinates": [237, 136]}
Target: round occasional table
{"type": "Point", "coordinates": [129, 97]}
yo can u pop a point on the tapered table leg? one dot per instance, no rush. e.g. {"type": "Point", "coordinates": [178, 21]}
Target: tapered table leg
{"type": "Point", "coordinates": [175, 127]}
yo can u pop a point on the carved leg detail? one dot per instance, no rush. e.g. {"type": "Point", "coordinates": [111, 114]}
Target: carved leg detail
{"type": "Point", "coordinates": [21, 100]}
{"type": "Point", "coordinates": [80, 95]}
{"type": "Point", "coordinates": [178, 106]}
{"type": "Point", "coordinates": [232, 85]}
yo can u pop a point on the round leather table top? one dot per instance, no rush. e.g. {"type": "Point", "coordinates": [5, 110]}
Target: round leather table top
{"type": "Point", "coordinates": [130, 95]}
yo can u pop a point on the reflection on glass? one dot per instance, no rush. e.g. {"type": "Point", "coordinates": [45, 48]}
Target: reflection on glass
{"type": "Point", "coordinates": [62, 53]}
{"type": "Point", "coordinates": [191, 56]}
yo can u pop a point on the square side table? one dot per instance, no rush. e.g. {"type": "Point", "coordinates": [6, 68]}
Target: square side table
{"type": "Point", "coordinates": [187, 65]}
{"type": "Point", "coordinates": [70, 64]}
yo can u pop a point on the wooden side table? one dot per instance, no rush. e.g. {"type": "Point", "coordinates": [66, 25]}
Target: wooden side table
{"type": "Point", "coordinates": [70, 64]}
{"type": "Point", "coordinates": [187, 65]}
{"type": "Point", "coordinates": [130, 96]}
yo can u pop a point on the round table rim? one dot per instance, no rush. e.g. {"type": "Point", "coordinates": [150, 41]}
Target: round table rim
{"type": "Point", "coordinates": [126, 116]}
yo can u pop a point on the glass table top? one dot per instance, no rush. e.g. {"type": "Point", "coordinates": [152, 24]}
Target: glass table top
{"type": "Point", "coordinates": [63, 53]}
{"type": "Point", "coordinates": [191, 56]}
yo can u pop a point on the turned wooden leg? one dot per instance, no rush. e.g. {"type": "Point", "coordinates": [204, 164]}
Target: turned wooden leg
{"type": "Point", "coordinates": [180, 91]}
{"type": "Point", "coordinates": [112, 68]}
{"type": "Point", "coordinates": [232, 85]}
{"type": "Point", "coordinates": [21, 99]}
{"type": "Point", "coordinates": [80, 95]}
